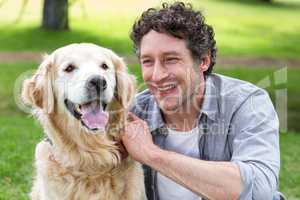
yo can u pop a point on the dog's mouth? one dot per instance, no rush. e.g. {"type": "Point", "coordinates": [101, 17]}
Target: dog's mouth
{"type": "Point", "coordinates": [91, 114]}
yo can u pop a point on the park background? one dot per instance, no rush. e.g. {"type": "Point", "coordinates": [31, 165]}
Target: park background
{"type": "Point", "coordinates": [257, 42]}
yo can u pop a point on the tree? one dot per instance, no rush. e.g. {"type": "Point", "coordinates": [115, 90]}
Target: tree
{"type": "Point", "coordinates": [55, 15]}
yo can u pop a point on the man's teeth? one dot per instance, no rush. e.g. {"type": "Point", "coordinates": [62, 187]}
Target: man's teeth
{"type": "Point", "coordinates": [165, 88]}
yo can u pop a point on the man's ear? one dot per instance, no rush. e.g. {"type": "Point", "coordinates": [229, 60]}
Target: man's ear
{"type": "Point", "coordinates": [126, 83]}
{"type": "Point", "coordinates": [205, 62]}
{"type": "Point", "coordinates": [37, 91]}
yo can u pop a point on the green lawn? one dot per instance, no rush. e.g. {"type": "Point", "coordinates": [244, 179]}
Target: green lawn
{"type": "Point", "coordinates": [242, 29]}
{"type": "Point", "coordinates": [18, 136]}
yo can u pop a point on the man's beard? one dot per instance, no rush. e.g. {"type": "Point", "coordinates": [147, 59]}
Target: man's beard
{"type": "Point", "coordinates": [184, 103]}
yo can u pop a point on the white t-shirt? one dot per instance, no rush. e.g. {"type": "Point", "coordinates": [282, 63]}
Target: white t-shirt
{"type": "Point", "coordinates": [184, 143]}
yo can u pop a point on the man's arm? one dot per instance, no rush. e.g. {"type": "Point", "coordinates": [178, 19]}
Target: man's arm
{"type": "Point", "coordinates": [210, 179]}
{"type": "Point", "coordinates": [213, 180]}
{"type": "Point", "coordinates": [255, 147]}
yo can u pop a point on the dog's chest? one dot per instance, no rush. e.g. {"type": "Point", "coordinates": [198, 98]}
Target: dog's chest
{"type": "Point", "coordinates": [92, 188]}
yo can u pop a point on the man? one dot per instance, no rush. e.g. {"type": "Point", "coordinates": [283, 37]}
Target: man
{"type": "Point", "coordinates": [198, 134]}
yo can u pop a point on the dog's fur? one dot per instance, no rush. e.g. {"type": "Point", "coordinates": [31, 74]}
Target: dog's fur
{"type": "Point", "coordinates": [81, 164]}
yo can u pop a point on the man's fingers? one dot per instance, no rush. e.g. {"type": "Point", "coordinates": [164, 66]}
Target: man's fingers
{"type": "Point", "coordinates": [123, 150]}
{"type": "Point", "coordinates": [132, 117]}
{"type": "Point", "coordinates": [122, 133]}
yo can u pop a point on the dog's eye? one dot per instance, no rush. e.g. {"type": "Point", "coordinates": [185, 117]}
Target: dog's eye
{"type": "Point", "coordinates": [69, 68]}
{"type": "Point", "coordinates": [104, 66]}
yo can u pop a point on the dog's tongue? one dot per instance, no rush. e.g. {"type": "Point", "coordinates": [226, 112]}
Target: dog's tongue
{"type": "Point", "coordinates": [93, 116]}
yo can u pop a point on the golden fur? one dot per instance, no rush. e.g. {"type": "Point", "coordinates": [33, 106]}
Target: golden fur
{"type": "Point", "coordinates": [81, 165]}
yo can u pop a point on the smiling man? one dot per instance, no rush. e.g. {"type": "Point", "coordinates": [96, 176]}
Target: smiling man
{"type": "Point", "coordinates": [198, 134]}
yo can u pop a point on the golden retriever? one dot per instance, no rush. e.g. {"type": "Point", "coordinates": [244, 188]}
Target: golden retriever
{"type": "Point", "coordinates": [80, 94]}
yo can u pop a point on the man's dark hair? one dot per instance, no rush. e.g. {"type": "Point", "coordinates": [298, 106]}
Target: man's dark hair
{"type": "Point", "coordinates": [180, 21]}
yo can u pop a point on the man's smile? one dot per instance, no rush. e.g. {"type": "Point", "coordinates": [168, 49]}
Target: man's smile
{"type": "Point", "coordinates": [165, 89]}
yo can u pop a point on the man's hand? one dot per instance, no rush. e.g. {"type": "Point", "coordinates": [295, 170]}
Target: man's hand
{"type": "Point", "coordinates": [137, 139]}
{"type": "Point", "coordinates": [214, 180]}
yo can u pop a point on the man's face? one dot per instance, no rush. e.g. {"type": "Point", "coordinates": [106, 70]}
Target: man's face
{"type": "Point", "coordinates": [169, 71]}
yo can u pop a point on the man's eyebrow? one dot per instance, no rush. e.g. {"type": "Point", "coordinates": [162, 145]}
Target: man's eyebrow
{"type": "Point", "coordinates": [174, 53]}
{"type": "Point", "coordinates": [168, 53]}
{"type": "Point", "coordinates": [145, 56]}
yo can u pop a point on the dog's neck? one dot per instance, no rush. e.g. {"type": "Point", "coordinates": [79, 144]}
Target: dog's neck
{"type": "Point", "coordinates": [79, 150]}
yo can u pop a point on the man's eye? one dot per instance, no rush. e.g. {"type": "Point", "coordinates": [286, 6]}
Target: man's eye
{"type": "Point", "coordinates": [146, 62]}
{"type": "Point", "coordinates": [171, 60]}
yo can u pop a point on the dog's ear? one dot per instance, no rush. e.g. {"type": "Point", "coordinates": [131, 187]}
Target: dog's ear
{"type": "Point", "coordinates": [126, 83]}
{"type": "Point", "coordinates": [37, 91]}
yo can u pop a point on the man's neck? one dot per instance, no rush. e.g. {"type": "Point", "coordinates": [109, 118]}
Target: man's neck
{"type": "Point", "coordinates": [182, 121]}
{"type": "Point", "coordinates": [185, 118]}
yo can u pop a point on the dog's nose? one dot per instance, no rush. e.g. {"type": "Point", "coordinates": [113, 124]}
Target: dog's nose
{"type": "Point", "coordinates": [97, 83]}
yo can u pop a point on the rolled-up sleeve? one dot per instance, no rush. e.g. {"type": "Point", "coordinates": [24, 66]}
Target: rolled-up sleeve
{"type": "Point", "coordinates": [255, 147]}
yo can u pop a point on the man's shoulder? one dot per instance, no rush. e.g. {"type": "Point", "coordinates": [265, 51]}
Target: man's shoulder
{"type": "Point", "coordinates": [231, 93]}
{"type": "Point", "coordinates": [229, 86]}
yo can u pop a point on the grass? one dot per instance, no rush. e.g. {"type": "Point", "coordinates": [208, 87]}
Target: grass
{"type": "Point", "coordinates": [8, 80]}
{"type": "Point", "coordinates": [242, 29]}
{"type": "Point", "coordinates": [290, 172]}
{"type": "Point", "coordinates": [18, 138]}
{"type": "Point", "coordinates": [36, 39]}
{"type": "Point", "coordinates": [248, 28]}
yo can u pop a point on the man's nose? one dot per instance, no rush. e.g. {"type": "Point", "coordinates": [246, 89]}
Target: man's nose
{"type": "Point", "coordinates": [96, 84]}
{"type": "Point", "coordinates": [159, 72]}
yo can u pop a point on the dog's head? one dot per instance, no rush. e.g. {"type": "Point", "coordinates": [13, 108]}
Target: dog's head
{"type": "Point", "coordinates": [81, 81]}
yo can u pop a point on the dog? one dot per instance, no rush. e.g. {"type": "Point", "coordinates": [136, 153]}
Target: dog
{"type": "Point", "coordinates": [80, 95]}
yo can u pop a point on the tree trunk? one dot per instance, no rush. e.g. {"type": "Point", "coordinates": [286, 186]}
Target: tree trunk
{"type": "Point", "coordinates": [55, 15]}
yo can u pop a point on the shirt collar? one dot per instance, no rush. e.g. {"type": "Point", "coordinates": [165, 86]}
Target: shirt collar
{"type": "Point", "coordinates": [210, 103]}
{"type": "Point", "coordinates": [155, 118]}
{"type": "Point", "coordinates": [209, 106]}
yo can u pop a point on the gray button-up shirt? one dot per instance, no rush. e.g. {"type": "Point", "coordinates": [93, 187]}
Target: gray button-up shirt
{"type": "Point", "coordinates": [237, 123]}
